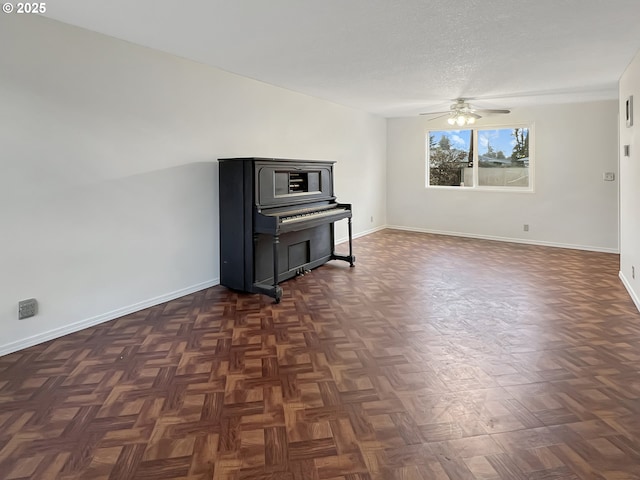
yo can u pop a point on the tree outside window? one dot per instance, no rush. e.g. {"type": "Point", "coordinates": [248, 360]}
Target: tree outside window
{"type": "Point", "coordinates": [450, 153]}
{"type": "Point", "coordinates": [486, 158]}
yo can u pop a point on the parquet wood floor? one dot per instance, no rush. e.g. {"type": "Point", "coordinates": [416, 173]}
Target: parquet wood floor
{"type": "Point", "coordinates": [434, 358]}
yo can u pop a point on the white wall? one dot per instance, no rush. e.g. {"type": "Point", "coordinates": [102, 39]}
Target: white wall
{"type": "Point", "coordinates": [572, 206]}
{"type": "Point", "coordinates": [630, 182]}
{"type": "Point", "coordinates": [108, 171]}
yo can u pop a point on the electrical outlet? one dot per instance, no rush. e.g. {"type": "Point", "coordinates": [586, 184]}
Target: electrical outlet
{"type": "Point", "coordinates": [608, 176]}
{"type": "Point", "coordinates": [27, 308]}
{"type": "Point", "coordinates": [526, 227]}
{"type": "Point", "coordinates": [371, 218]}
{"type": "Point", "coordinates": [633, 272]}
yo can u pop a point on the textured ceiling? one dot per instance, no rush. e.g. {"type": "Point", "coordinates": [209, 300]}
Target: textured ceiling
{"type": "Point", "coordinates": [392, 58]}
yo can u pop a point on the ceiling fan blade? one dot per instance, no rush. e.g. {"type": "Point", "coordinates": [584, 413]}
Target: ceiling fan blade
{"type": "Point", "coordinates": [439, 116]}
{"type": "Point", "coordinates": [462, 107]}
{"type": "Point", "coordinates": [492, 110]}
{"type": "Point", "coordinates": [436, 113]}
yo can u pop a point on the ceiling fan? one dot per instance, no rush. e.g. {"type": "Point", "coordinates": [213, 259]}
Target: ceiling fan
{"type": "Point", "coordinates": [462, 113]}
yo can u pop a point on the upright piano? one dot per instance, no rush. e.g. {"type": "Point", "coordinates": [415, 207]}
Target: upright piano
{"type": "Point", "coordinates": [276, 221]}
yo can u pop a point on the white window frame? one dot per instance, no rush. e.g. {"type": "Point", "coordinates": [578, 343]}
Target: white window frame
{"type": "Point", "coordinates": [474, 139]}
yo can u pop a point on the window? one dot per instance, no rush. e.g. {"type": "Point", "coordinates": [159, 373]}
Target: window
{"type": "Point", "coordinates": [485, 158]}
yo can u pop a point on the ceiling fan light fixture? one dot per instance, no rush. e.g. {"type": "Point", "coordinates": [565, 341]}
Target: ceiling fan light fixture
{"type": "Point", "coordinates": [462, 118]}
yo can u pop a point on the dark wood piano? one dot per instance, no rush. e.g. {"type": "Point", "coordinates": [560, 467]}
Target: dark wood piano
{"type": "Point", "coordinates": [276, 221]}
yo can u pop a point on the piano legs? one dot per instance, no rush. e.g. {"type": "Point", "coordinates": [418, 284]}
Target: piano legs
{"type": "Point", "coordinates": [347, 258]}
{"type": "Point", "coordinates": [351, 257]}
{"type": "Point", "coordinates": [274, 291]}
{"type": "Point", "coordinates": [277, 291]}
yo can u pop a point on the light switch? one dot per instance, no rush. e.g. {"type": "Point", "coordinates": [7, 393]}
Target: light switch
{"type": "Point", "coordinates": [609, 176]}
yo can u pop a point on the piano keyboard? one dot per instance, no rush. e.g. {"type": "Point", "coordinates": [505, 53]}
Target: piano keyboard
{"type": "Point", "coordinates": [314, 214]}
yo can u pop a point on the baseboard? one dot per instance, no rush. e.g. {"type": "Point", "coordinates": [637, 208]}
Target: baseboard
{"type": "Point", "coordinates": [105, 317]}
{"type": "Point", "coordinates": [507, 239]}
{"type": "Point", "coordinates": [361, 234]}
{"type": "Point", "coordinates": [632, 294]}
{"type": "Point", "coordinates": [120, 312]}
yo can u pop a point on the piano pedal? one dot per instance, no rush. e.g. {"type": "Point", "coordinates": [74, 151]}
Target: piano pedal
{"type": "Point", "coordinates": [301, 272]}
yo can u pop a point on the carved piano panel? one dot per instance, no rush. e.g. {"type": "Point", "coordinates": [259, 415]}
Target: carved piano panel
{"type": "Point", "coordinates": [276, 221]}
